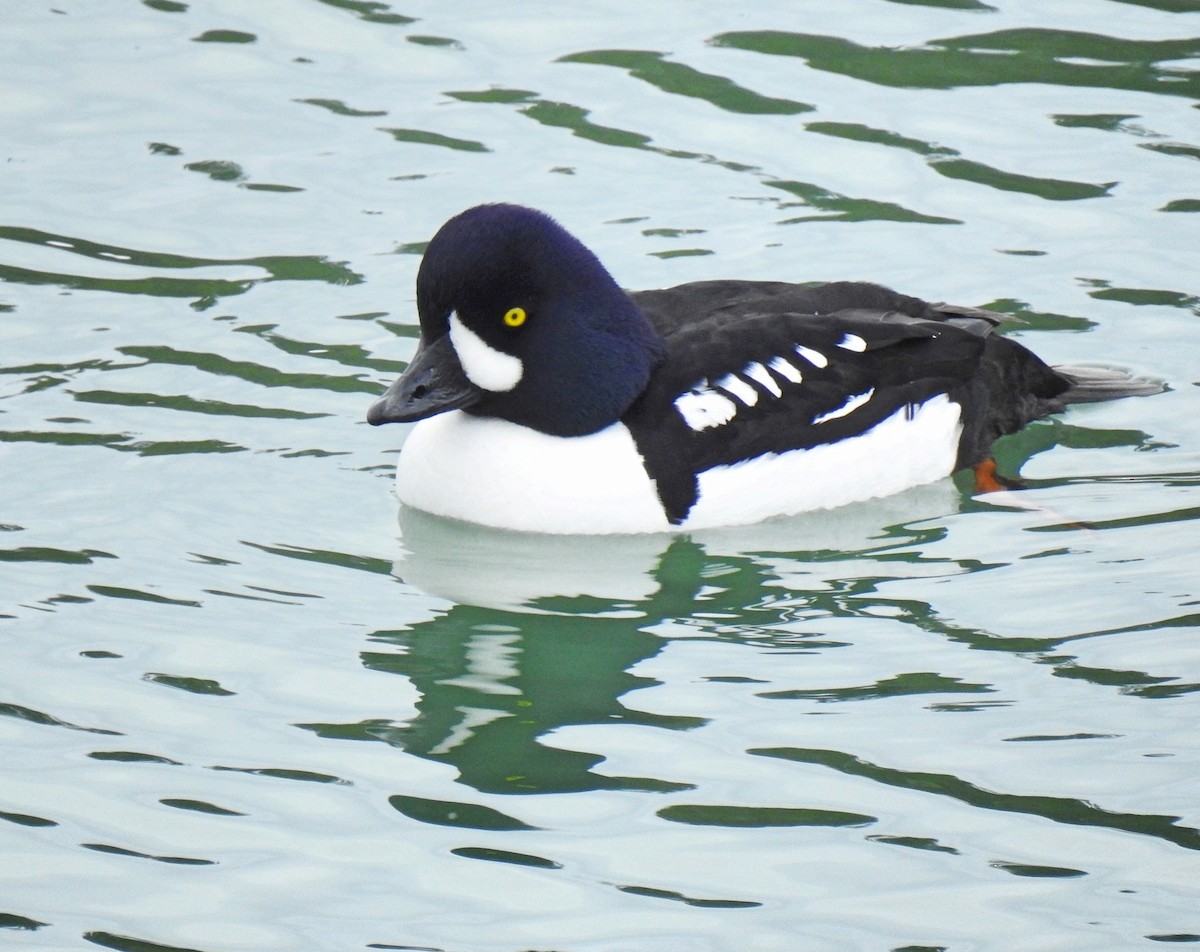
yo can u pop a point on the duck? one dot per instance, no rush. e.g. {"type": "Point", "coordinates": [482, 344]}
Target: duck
{"type": "Point", "coordinates": [547, 399]}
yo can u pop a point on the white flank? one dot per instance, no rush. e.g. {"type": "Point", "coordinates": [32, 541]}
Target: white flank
{"type": "Point", "coordinates": [896, 454]}
{"type": "Point", "coordinates": [484, 366]}
{"type": "Point", "coordinates": [853, 342]}
{"type": "Point", "coordinates": [499, 474]}
{"type": "Point", "coordinates": [702, 407]}
{"type": "Point", "coordinates": [785, 369]}
{"type": "Point", "coordinates": [814, 357]}
{"type": "Point", "coordinates": [739, 388]}
{"type": "Point", "coordinates": [760, 374]}
{"type": "Point", "coordinates": [852, 404]}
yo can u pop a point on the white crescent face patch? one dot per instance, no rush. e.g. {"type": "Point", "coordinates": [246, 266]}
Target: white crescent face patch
{"type": "Point", "coordinates": [484, 366]}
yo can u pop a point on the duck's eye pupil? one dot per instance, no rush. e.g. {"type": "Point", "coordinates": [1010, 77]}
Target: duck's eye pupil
{"type": "Point", "coordinates": [514, 316]}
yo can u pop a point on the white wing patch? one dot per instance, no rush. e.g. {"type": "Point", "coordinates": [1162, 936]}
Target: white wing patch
{"type": "Point", "coordinates": [788, 371]}
{"type": "Point", "coordinates": [703, 407]}
{"type": "Point", "coordinates": [814, 357]}
{"type": "Point", "coordinates": [739, 388]}
{"type": "Point", "coordinates": [759, 374]}
{"type": "Point", "coordinates": [708, 403]}
{"type": "Point", "coordinates": [852, 404]}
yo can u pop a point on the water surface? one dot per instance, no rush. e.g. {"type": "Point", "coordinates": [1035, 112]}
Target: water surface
{"type": "Point", "coordinates": [246, 704]}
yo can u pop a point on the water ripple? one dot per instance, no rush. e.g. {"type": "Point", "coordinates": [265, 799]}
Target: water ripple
{"type": "Point", "coordinates": [459, 737]}
{"type": "Point", "coordinates": [1066, 810]}
{"type": "Point", "coordinates": [1054, 57]}
{"type": "Point", "coordinates": [575, 118]}
{"type": "Point", "coordinates": [682, 80]}
{"type": "Point", "coordinates": [206, 290]}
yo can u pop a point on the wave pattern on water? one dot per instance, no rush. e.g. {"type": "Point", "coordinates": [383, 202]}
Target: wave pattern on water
{"type": "Point", "coordinates": [206, 291]}
{"type": "Point", "coordinates": [1053, 57]}
{"type": "Point", "coordinates": [231, 679]}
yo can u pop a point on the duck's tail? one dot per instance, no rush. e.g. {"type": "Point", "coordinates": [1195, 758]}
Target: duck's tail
{"type": "Point", "coordinates": [1095, 384]}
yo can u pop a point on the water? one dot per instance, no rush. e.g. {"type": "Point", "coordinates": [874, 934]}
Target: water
{"type": "Point", "coordinates": [247, 707]}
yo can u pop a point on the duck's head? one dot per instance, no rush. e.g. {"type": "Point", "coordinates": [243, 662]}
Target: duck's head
{"type": "Point", "coordinates": [520, 321]}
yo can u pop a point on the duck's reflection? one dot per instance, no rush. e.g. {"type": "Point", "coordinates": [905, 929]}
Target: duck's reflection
{"type": "Point", "coordinates": [642, 577]}
{"type": "Point", "coordinates": [545, 631]}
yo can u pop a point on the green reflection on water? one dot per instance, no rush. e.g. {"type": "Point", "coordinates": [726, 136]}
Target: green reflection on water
{"type": "Point", "coordinates": [495, 685]}
{"type": "Point", "coordinates": [198, 806]}
{"type": "Point", "coordinates": [682, 80]}
{"type": "Point", "coordinates": [23, 713]}
{"type": "Point", "coordinates": [949, 4]}
{"type": "Point", "coordinates": [184, 402]}
{"type": "Point", "coordinates": [137, 854]}
{"type": "Point", "coordinates": [339, 108]}
{"type": "Point", "coordinates": [1104, 291]}
{"type": "Point", "coordinates": [951, 164]}
{"type": "Point", "coordinates": [371, 11]}
{"type": "Point", "coordinates": [218, 170]}
{"type": "Point", "coordinates": [191, 685]}
{"type": "Point", "coordinates": [9, 920]}
{"type": "Point", "coordinates": [24, 819]}
{"type": "Point", "coordinates": [843, 208]}
{"type": "Point", "coordinates": [133, 757]}
{"type": "Point", "coordinates": [654, 893]}
{"type": "Point", "coordinates": [505, 856]}
{"type": "Point", "coordinates": [575, 118]}
{"type": "Point", "coordinates": [206, 290]}
{"type": "Point", "coordinates": [1030, 871]}
{"type": "Point", "coordinates": [125, 943]}
{"type": "Point", "coordinates": [288, 773]}
{"type": "Point", "coordinates": [424, 137]}
{"type": "Point", "coordinates": [745, 816]}
{"type": "Point", "coordinates": [246, 370]}
{"type": "Point", "coordinates": [899, 685]}
{"type": "Point", "coordinates": [33, 553]}
{"type": "Point", "coordinates": [473, 816]}
{"type": "Point", "coordinates": [1067, 810]}
{"type": "Point", "coordinates": [1032, 56]}
{"type": "Point", "coordinates": [225, 36]}
{"type": "Point", "coordinates": [488, 698]}
{"type": "Point", "coordinates": [913, 842]}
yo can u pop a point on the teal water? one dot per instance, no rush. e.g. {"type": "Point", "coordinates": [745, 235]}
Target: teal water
{"type": "Point", "coordinates": [246, 704]}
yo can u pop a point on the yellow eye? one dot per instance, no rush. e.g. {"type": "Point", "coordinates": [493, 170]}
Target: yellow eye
{"type": "Point", "coordinates": [514, 316]}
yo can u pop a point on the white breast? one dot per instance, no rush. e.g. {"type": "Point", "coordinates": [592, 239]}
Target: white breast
{"type": "Point", "coordinates": [499, 474]}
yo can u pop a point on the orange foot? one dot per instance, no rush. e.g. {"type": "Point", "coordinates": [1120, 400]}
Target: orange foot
{"type": "Point", "coordinates": [987, 480]}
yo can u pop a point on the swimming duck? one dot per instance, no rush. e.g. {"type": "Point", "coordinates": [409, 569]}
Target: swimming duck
{"type": "Point", "coordinates": [549, 400]}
